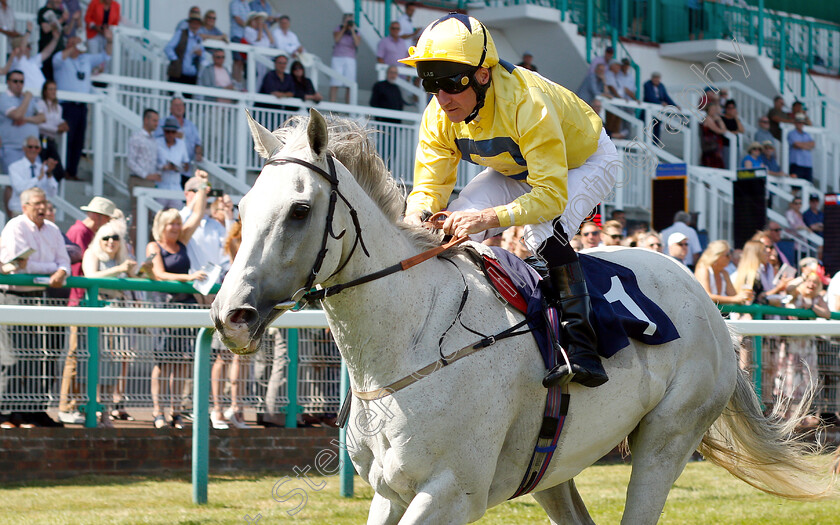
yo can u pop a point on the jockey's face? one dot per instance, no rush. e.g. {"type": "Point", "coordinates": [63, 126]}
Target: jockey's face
{"type": "Point", "coordinates": [459, 106]}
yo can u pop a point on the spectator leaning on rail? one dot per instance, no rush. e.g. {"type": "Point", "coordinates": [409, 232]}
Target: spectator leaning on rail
{"type": "Point", "coordinates": [30, 172]}
{"type": "Point", "coordinates": [187, 130]}
{"type": "Point", "coordinates": [209, 31]}
{"type": "Point", "coordinates": [216, 75]}
{"type": "Point", "coordinates": [98, 212]}
{"type": "Point", "coordinates": [100, 15]}
{"type": "Point", "coordinates": [278, 82]}
{"type": "Point", "coordinates": [559, 138]}
{"type": "Point", "coordinates": [655, 93]}
{"type": "Point", "coordinates": [31, 230]}
{"type": "Point", "coordinates": [184, 52]}
{"type": "Point", "coordinates": [73, 69]}
{"type": "Point", "coordinates": [408, 32]}
{"type": "Point", "coordinates": [7, 20]}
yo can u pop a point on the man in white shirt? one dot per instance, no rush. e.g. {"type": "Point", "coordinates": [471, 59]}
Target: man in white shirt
{"type": "Point", "coordinates": [31, 230]}
{"type": "Point", "coordinates": [681, 220]}
{"type": "Point", "coordinates": [30, 172]}
{"type": "Point", "coordinates": [173, 161]}
{"type": "Point", "coordinates": [284, 38]}
{"type": "Point", "coordinates": [30, 66]}
{"type": "Point", "coordinates": [407, 30]}
{"type": "Point", "coordinates": [626, 81]}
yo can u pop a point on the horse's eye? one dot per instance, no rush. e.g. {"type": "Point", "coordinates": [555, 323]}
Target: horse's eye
{"type": "Point", "coordinates": [299, 211]}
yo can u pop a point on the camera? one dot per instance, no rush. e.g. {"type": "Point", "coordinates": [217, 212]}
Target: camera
{"type": "Point", "coordinates": [80, 75]}
{"type": "Point", "coordinates": [216, 192]}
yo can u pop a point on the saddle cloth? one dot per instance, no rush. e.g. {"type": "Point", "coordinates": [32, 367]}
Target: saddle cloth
{"type": "Point", "coordinates": [620, 310]}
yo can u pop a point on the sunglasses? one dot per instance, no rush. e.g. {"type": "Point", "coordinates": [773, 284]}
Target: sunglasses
{"type": "Point", "coordinates": [589, 234]}
{"type": "Point", "coordinates": [111, 238]}
{"type": "Point", "coordinates": [682, 244]}
{"type": "Point", "coordinates": [616, 236]}
{"type": "Point", "coordinates": [451, 85]}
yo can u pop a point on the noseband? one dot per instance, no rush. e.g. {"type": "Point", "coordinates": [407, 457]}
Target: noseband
{"type": "Point", "coordinates": [307, 294]}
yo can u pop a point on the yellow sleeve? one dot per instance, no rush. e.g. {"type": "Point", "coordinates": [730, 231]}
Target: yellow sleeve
{"type": "Point", "coordinates": [543, 144]}
{"type": "Point", "coordinates": [435, 164]}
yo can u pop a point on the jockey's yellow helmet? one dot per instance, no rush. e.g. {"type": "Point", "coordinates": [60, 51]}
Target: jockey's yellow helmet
{"type": "Point", "coordinates": [454, 38]}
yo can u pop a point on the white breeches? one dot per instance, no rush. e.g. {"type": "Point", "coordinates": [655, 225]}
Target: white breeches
{"type": "Point", "coordinates": [588, 185]}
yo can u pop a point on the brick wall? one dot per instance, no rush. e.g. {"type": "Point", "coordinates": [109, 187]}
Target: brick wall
{"type": "Point", "coordinates": [46, 453]}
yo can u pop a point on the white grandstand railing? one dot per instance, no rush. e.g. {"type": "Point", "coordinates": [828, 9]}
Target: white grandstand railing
{"type": "Point", "coordinates": [673, 121]}
{"type": "Point", "coordinates": [139, 53]}
{"type": "Point", "coordinates": [223, 126]}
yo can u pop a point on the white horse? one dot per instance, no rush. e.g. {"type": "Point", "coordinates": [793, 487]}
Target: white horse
{"type": "Point", "coordinates": [458, 441]}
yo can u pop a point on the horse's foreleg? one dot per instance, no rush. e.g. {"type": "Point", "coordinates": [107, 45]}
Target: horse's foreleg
{"type": "Point", "coordinates": [563, 504]}
{"type": "Point", "coordinates": [439, 500]}
{"type": "Point", "coordinates": [383, 511]}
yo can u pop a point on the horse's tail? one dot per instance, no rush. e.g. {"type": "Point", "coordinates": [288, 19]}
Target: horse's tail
{"type": "Point", "coordinates": [765, 451]}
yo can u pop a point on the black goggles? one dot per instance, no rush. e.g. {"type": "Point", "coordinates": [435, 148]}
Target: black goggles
{"type": "Point", "coordinates": [453, 85]}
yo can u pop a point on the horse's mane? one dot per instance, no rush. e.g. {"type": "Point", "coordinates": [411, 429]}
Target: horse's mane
{"type": "Point", "coordinates": [351, 144]}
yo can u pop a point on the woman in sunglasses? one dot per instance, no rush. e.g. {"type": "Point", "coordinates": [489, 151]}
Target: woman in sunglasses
{"type": "Point", "coordinates": [107, 256]}
{"type": "Point", "coordinates": [547, 157]}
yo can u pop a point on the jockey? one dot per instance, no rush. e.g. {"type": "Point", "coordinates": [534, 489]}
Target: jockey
{"type": "Point", "coordinates": [546, 157]}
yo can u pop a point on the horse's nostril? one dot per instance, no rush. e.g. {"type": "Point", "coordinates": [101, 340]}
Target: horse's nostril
{"type": "Point", "coordinates": [242, 316]}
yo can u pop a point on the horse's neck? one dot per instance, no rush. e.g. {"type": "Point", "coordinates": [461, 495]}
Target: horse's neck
{"type": "Point", "coordinates": [379, 326]}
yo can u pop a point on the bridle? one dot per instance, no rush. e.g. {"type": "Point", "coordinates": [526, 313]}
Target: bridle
{"type": "Point", "coordinates": [307, 294]}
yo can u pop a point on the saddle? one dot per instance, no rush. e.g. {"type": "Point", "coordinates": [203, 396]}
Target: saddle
{"type": "Point", "coordinates": [620, 310]}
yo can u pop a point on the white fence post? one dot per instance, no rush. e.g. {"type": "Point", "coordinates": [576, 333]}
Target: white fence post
{"type": "Point", "coordinates": [242, 135]}
{"type": "Point", "coordinates": [98, 146]}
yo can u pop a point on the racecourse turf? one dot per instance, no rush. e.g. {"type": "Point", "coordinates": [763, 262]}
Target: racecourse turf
{"type": "Point", "coordinates": [704, 494]}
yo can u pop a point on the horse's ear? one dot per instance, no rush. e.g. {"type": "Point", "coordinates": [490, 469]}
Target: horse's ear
{"type": "Point", "coordinates": [265, 143]}
{"type": "Point", "coordinates": [317, 132]}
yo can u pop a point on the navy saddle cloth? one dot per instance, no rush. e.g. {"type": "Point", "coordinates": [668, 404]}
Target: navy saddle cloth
{"type": "Point", "coordinates": [619, 308]}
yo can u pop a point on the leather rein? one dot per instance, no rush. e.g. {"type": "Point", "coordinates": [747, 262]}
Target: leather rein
{"type": "Point", "coordinates": [307, 294]}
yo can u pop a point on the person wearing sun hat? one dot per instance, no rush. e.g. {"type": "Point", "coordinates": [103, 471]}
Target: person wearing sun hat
{"type": "Point", "coordinates": [99, 211]}
{"type": "Point", "coordinates": [537, 141]}
{"type": "Point", "coordinates": [752, 160]}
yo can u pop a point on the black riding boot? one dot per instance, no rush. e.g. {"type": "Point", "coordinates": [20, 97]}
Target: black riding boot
{"type": "Point", "coordinates": [581, 342]}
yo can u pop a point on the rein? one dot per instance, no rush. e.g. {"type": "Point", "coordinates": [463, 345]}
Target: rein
{"type": "Point", "coordinates": [307, 294]}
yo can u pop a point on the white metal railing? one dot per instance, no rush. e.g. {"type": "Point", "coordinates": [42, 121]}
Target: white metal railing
{"type": "Point", "coordinates": [710, 194]}
{"type": "Point", "coordinates": [671, 120]}
{"type": "Point", "coordinates": [143, 46]}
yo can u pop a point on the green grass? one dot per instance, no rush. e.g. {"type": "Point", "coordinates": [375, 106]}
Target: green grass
{"type": "Point", "coordinates": [703, 494]}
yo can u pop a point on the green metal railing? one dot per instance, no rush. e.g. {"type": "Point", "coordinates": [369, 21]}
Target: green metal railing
{"type": "Point", "coordinates": [759, 311]}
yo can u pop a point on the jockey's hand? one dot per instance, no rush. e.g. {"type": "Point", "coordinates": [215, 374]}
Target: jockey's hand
{"type": "Point", "coordinates": [414, 219]}
{"type": "Point", "coordinates": [463, 223]}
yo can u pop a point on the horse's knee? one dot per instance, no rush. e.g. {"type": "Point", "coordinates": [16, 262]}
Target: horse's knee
{"type": "Point", "coordinates": [443, 500]}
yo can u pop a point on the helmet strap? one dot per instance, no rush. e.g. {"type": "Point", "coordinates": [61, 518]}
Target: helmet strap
{"type": "Point", "coordinates": [480, 95]}
{"type": "Point", "coordinates": [480, 90]}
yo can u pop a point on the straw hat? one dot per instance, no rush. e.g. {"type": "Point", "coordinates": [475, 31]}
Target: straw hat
{"type": "Point", "coordinates": [100, 205]}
